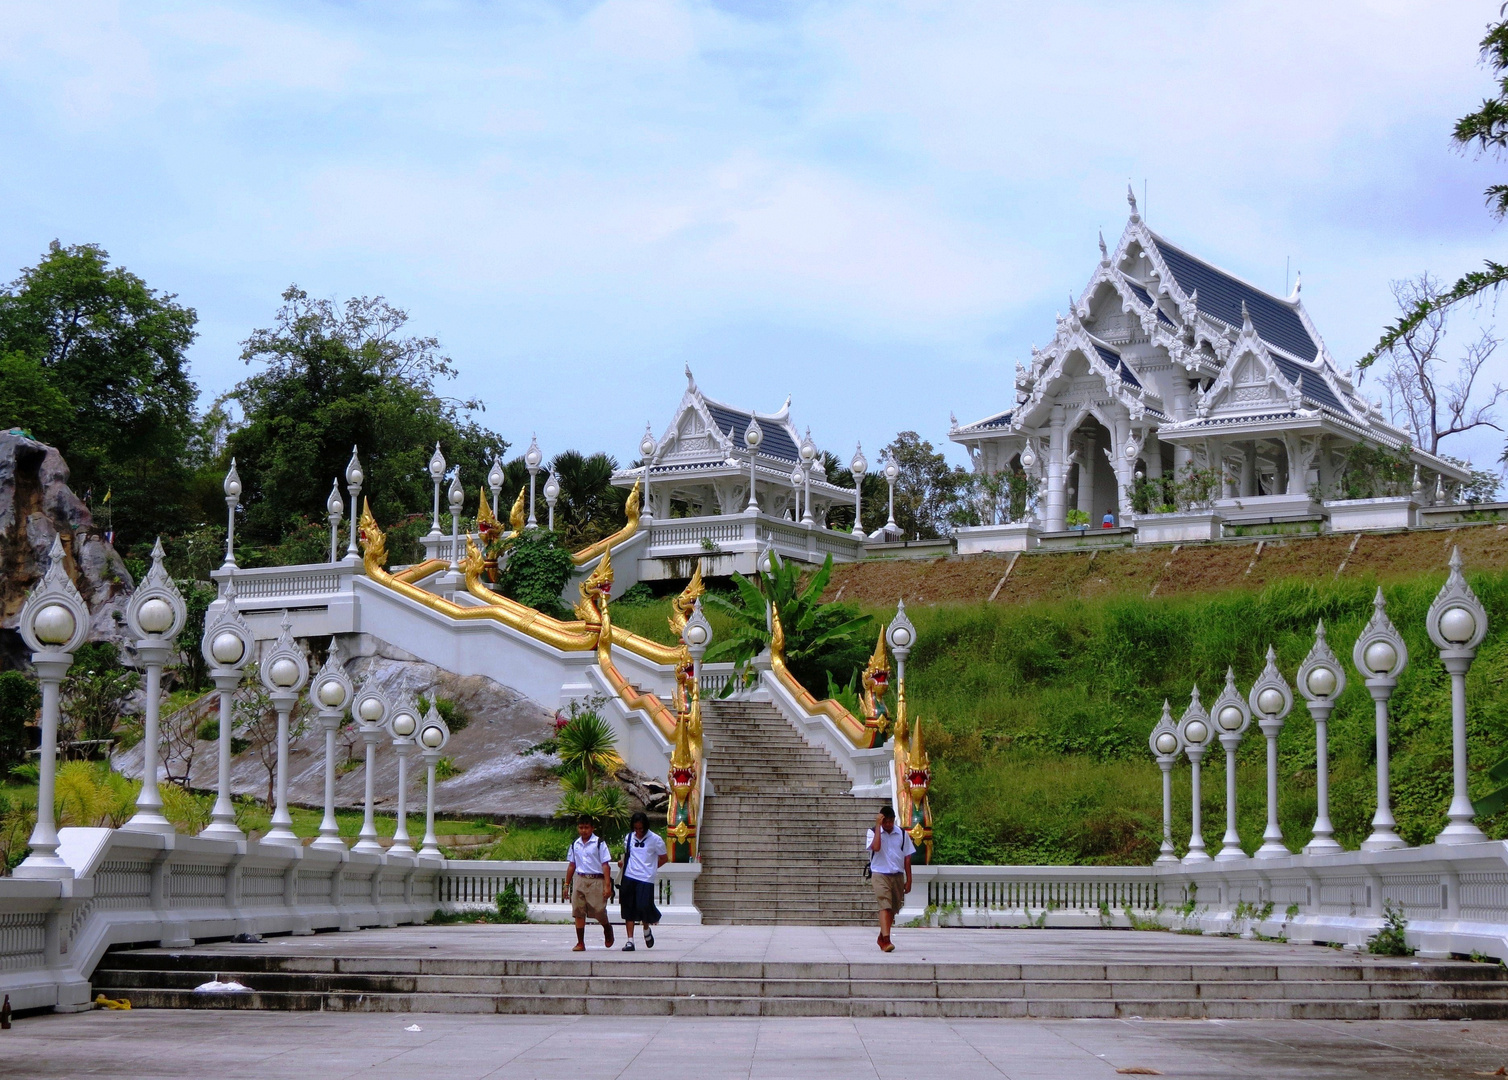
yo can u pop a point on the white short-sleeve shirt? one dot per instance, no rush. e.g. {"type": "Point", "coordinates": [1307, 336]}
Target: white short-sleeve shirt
{"type": "Point", "coordinates": [588, 857]}
{"type": "Point", "coordinates": [895, 845]}
{"type": "Point", "coordinates": [643, 856]}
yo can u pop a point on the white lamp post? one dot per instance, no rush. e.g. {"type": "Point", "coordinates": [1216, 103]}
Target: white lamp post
{"type": "Point", "coordinates": [1271, 700]}
{"type": "Point", "coordinates": [532, 458]}
{"type": "Point", "coordinates": [1195, 735]}
{"type": "Point", "coordinates": [284, 672]}
{"type": "Point", "coordinates": [808, 460]}
{"type": "Point", "coordinates": [495, 482]}
{"type": "Point", "coordinates": [372, 708]}
{"type": "Point", "coordinates": [647, 448]}
{"type": "Point", "coordinates": [456, 496]}
{"type": "Point", "coordinates": [226, 648]}
{"type": "Point", "coordinates": [1380, 655]}
{"type": "Point", "coordinates": [753, 436]}
{"type": "Point", "coordinates": [54, 622]}
{"type": "Point", "coordinates": [901, 636]}
{"type": "Point", "coordinates": [333, 693]}
{"type": "Point", "coordinates": [155, 615]}
{"type": "Point", "coordinates": [1457, 622]}
{"type": "Point", "coordinates": [1321, 679]}
{"type": "Point", "coordinates": [796, 477]}
{"type": "Point", "coordinates": [892, 470]}
{"type": "Point", "coordinates": [232, 487]}
{"type": "Point", "coordinates": [436, 474]}
{"type": "Point", "coordinates": [354, 478]}
{"type": "Point", "coordinates": [698, 635]}
{"type": "Point", "coordinates": [335, 509]}
{"type": "Point", "coordinates": [1165, 746]}
{"type": "Point", "coordinates": [552, 492]}
{"type": "Point", "coordinates": [402, 727]}
{"type": "Point", "coordinates": [1232, 718]}
{"type": "Point", "coordinates": [858, 467]}
{"type": "Point", "coordinates": [434, 733]}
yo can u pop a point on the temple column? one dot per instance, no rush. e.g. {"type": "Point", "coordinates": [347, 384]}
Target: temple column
{"type": "Point", "coordinates": [1182, 457]}
{"type": "Point", "coordinates": [1151, 453]}
{"type": "Point", "coordinates": [1248, 470]}
{"type": "Point", "coordinates": [1086, 474]}
{"type": "Point", "coordinates": [1124, 469]}
{"type": "Point", "coordinates": [1057, 472]}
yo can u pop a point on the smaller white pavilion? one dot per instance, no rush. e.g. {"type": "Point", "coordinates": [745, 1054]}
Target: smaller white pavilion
{"type": "Point", "coordinates": [723, 483]}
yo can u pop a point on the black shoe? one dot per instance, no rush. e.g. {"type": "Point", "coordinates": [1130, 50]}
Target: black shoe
{"type": "Point", "coordinates": [629, 945]}
{"type": "Point", "coordinates": [649, 938]}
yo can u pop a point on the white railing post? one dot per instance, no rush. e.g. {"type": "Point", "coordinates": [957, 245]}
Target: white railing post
{"type": "Point", "coordinates": [284, 672]}
{"type": "Point", "coordinates": [1272, 701]}
{"type": "Point", "coordinates": [1321, 680]}
{"type": "Point", "coordinates": [1165, 746]}
{"type": "Point", "coordinates": [333, 692]}
{"type": "Point", "coordinates": [1232, 718]}
{"type": "Point", "coordinates": [1194, 733]}
{"type": "Point", "coordinates": [155, 615]}
{"type": "Point", "coordinates": [1380, 655]}
{"type": "Point", "coordinates": [1457, 622]}
{"type": "Point", "coordinates": [226, 648]}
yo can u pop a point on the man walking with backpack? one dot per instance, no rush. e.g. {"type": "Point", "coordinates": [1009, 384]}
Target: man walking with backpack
{"type": "Point", "coordinates": [890, 850]}
{"type": "Point", "coordinates": [589, 881]}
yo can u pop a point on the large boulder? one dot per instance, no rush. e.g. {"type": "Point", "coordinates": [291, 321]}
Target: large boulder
{"type": "Point", "coordinates": [36, 505]}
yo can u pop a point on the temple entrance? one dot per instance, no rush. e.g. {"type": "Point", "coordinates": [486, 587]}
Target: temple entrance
{"type": "Point", "coordinates": [1092, 486]}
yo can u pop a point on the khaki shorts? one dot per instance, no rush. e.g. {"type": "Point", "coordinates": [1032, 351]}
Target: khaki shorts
{"type": "Point", "coordinates": [587, 897]}
{"type": "Point", "coordinates": [889, 891]}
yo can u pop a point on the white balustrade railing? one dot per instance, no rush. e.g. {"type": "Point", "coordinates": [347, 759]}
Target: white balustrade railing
{"type": "Point", "coordinates": [680, 537]}
{"type": "Point", "coordinates": [131, 887]}
{"type": "Point", "coordinates": [466, 885]}
{"type": "Point", "coordinates": [1454, 898]}
{"type": "Point", "coordinates": [273, 586]}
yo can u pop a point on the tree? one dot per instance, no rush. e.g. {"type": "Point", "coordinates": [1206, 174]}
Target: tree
{"type": "Point", "coordinates": [96, 691]}
{"type": "Point", "coordinates": [338, 376]}
{"type": "Point", "coordinates": [823, 642]}
{"type": "Point", "coordinates": [19, 701]}
{"type": "Point", "coordinates": [1487, 131]}
{"type": "Point", "coordinates": [1417, 395]}
{"type": "Point", "coordinates": [590, 506]}
{"type": "Point", "coordinates": [117, 400]}
{"type": "Point", "coordinates": [929, 494]}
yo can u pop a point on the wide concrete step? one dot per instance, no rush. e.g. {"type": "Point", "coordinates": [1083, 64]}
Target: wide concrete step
{"type": "Point", "coordinates": [649, 987]}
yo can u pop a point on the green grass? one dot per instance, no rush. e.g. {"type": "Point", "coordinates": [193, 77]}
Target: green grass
{"type": "Point", "coordinates": [1037, 717]}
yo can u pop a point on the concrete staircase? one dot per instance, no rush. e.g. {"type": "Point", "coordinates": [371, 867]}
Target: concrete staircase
{"type": "Point", "coordinates": [781, 841]}
{"type": "Point", "coordinates": [641, 986]}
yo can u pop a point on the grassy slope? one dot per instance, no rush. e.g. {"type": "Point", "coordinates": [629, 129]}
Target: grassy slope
{"type": "Point", "coordinates": [1038, 714]}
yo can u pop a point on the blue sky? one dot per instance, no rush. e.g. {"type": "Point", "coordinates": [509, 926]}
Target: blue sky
{"type": "Point", "coordinates": [873, 207]}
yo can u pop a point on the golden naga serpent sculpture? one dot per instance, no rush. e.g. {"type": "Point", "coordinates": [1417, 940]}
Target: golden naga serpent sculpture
{"type": "Point", "coordinates": [596, 633]}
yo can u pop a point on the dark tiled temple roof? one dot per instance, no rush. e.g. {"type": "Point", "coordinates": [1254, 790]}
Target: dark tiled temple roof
{"type": "Point", "coordinates": [1221, 297]}
{"type": "Point", "coordinates": [734, 422]}
{"type": "Point", "coordinates": [1113, 358]}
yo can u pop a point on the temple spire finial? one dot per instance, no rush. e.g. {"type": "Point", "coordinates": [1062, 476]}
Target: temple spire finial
{"type": "Point", "coordinates": [690, 381]}
{"type": "Point", "coordinates": [1245, 317]}
{"type": "Point", "coordinates": [1298, 285]}
{"type": "Point", "coordinates": [1131, 199]}
{"type": "Point", "coordinates": [1104, 251]}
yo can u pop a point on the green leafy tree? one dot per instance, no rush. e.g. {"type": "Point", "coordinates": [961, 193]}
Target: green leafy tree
{"type": "Point", "coordinates": [537, 569]}
{"type": "Point", "coordinates": [96, 691]}
{"type": "Point", "coordinates": [586, 745]}
{"type": "Point", "coordinates": [336, 376]}
{"type": "Point", "coordinates": [590, 506]}
{"type": "Point", "coordinates": [19, 700]}
{"type": "Point", "coordinates": [823, 642]}
{"type": "Point", "coordinates": [1485, 130]}
{"type": "Point", "coordinates": [115, 395]}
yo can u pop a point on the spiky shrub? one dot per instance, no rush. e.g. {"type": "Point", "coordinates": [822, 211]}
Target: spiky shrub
{"type": "Point", "coordinates": [822, 641]}
{"type": "Point", "coordinates": [587, 745]}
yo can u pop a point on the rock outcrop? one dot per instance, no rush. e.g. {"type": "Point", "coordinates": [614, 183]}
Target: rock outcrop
{"type": "Point", "coordinates": [36, 504]}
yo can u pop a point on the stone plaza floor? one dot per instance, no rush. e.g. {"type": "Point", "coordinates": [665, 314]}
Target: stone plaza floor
{"type": "Point", "coordinates": [156, 1045]}
{"type": "Point", "coordinates": [145, 1044]}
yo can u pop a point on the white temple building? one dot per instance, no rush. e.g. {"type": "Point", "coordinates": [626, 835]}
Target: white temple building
{"type": "Point", "coordinates": [702, 468]}
{"type": "Point", "coordinates": [1166, 365]}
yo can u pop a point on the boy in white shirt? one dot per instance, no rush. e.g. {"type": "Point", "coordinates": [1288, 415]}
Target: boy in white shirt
{"type": "Point", "coordinates": [890, 849]}
{"type": "Point", "coordinates": [643, 855]}
{"type": "Point", "coordinates": [589, 882]}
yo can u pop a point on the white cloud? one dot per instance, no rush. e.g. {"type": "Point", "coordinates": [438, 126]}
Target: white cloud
{"type": "Point", "coordinates": [875, 205]}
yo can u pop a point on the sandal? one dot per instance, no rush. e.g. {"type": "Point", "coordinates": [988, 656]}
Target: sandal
{"type": "Point", "coordinates": [886, 946]}
{"type": "Point", "coordinates": [649, 938]}
{"type": "Point", "coordinates": [607, 937]}
{"type": "Point", "coordinates": [578, 947]}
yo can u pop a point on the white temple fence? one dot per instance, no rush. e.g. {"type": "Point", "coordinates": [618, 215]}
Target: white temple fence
{"type": "Point", "coordinates": [151, 889]}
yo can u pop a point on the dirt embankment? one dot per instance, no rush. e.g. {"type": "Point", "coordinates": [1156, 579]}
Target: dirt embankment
{"type": "Point", "coordinates": [1166, 571]}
